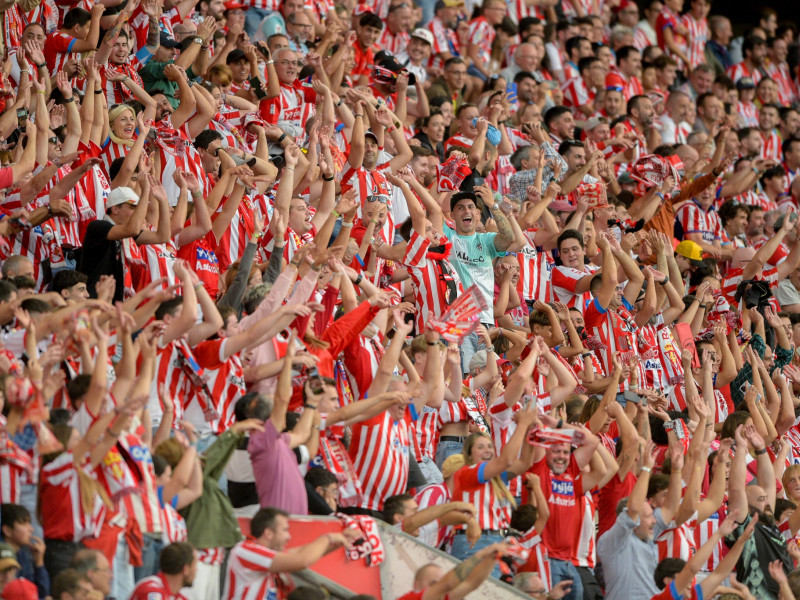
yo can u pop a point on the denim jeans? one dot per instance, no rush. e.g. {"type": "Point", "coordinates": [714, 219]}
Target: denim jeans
{"type": "Point", "coordinates": [431, 473]}
{"type": "Point", "coordinates": [561, 570]}
{"type": "Point", "coordinates": [151, 551]}
{"type": "Point", "coordinates": [469, 346]}
{"type": "Point", "coordinates": [28, 497]}
{"type": "Point", "coordinates": [461, 549]}
{"type": "Point", "coordinates": [447, 448]}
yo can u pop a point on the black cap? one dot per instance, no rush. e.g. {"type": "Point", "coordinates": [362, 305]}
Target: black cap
{"type": "Point", "coordinates": [235, 55]}
{"type": "Point", "coordinates": [168, 42]}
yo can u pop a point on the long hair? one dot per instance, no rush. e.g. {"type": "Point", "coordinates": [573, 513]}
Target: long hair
{"type": "Point", "coordinates": [499, 487]}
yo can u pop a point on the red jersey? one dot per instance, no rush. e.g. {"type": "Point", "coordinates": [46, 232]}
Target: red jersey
{"type": "Point", "coordinates": [617, 331]}
{"type": "Point", "coordinates": [225, 381]}
{"type": "Point", "coordinates": [58, 50]}
{"type": "Point", "coordinates": [470, 486]}
{"type": "Point", "coordinates": [62, 514]}
{"type": "Point", "coordinates": [294, 105]}
{"type": "Point", "coordinates": [563, 494]}
{"type": "Point", "coordinates": [564, 280]}
{"type": "Point", "coordinates": [155, 587]}
{"type": "Point", "coordinates": [248, 576]}
{"type": "Point", "coordinates": [380, 449]}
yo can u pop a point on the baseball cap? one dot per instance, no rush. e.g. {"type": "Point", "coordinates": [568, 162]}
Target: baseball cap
{"type": "Point", "coordinates": [423, 34]}
{"type": "Point", "coordinates": [235, 55]}
{"type": "Point", "coordinates": [166, 41]}
{"type": "Point", "coordinates": [614, 81]}
{"type": "Point", "coordinates": [120, 195]}
{"type": "Point", "coordinates": [371, 134]}
{"type": "Point", "coordinates": [8, 556]}
{"type": "Point", "coordinates": [591, 123]}
{"type": "Point", "coordinates": [19, 589]}
{"type": "Point", "coordinates": [478, 360]}
{"type": "Point", "coordinates": [745, 83]}
{"type": "Point", "coordinates": [448, 4]}
{"type": "Point", "coordinates": [689, 249]}
{"type": "Point", "coordinates": [233, 5]}
{"type": "Point", "coordinates": [561, 206]}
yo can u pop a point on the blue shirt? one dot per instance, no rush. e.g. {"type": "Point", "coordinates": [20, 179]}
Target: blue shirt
{"type": "Point", "coordinates": [472, 257]}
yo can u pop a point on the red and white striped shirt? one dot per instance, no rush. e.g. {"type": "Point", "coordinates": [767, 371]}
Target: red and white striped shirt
{"type": "Point", "coordinates": [772, 145]}
{"type": "Point", "coordinates": [111, 152]}
{"type": "Point", "coordinates": [698, 37]}
{"type": "Point", "coordinates": [62, 515]}
{"type": "Point", "coordinates": [704, 531]}
{"type": "Point", "coordinates": [170, 372]}
{"type": "Point", "coordinates": [469, 486]}
{"type": "Point", "coordinates": [576, 94]}
{"type": "Point", "coordinates": [739, 70]}
{"type": "Point", "coordinates": [586, 555]}
{"type": "Point", "coordinates": [115, 91]}
{"type": "Point", "coordinates": [780, 74]}
{"type": "Point", "coordinates": [393, 42]}
{"type": "Point", "coordinates": [58, 50]}
{"type": "Point", "coordinates": [535, 271]}
{"type": "Point", "coordinates": [293, 106]}
{"type": "Point", "coordinates": [173, 526]}
{"type": "Point", "coordinates": [225, 381]}
{"type": "Point", "coordinates": [425, 433]}
{"type": "Point", "coordinates": [482, 34]}
{"type": "Point", "coordinates": [678, 542]}
{"type": "Point", "coordinates": [748, 114]}
{"type": "Point", "coordinates": [248, 576]}
{"type": "Point", "coordinates": [427, 274]}
{"type": "Point", "coordinates": [155, 587]}
{"type": "Point", "coordinates": [538, 560]}
{"type": "Point", "coordinates": [617, 332]}
{"type": "Point", "coordinates": [565, 279]}
{"type": "Point", "coordinates": [380, 449]}
{"type": "Point", "coordinates": [145, 506]}
{"type": "Point", "coordinates": [694, 219]}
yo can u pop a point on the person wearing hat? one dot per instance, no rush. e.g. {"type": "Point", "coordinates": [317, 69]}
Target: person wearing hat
{"type": "Point", "coordinates": [234, 14]}
{"type": "Point", "coordinates": [414, 57]}
{"type": "Point", "coordinates": [106, 245]}
{"type": "Point", "coordinates": [9, 566]}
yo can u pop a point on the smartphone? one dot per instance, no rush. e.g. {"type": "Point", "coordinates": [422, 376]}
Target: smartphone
{"type": "Point", "coordinates": [552, 84]}
{"type": "Point", "coordinates": [511, 92]}
{"type": "Point", "coordinates": [255, 86]}
{"type": "Point", "coordinates": [22, 117]}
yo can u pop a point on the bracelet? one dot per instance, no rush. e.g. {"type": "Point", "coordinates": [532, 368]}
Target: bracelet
{"type": "Point", "coordinates": [197, 194]}
{"type": "Point", "coordinates": [357, 115]}
{"type": "Point", "coordinates": [289, 169]}
{"type": "Point", "coordinates": [96, 92]}
{"type": "Point", "coordinates": [340, 102]}
{"type": "Point", "coordinates": [560, 424]}
{"type": "Point", "coordinates": [204, 48]}
{"type": "Point", "coordinates": [346, 224]}
{"type": "Point", "coordinates": [390, 129]}
{"type": "Point", "coordinates": [585, 354]}
{"type": "Point", "coordinates": [647, 469]}
{"type": "Point", "coordinates": [311, 406]}
{"type": "Point", "coordinates": [704, 306]}
{"type": "Point", "coordinates": [335, 214]}
{"type": "Point", "coordinates": [42, 92]}
{"type": "Point", "coordinates": [296, 265]}
{"type": "Point", "coordinates": [283, 137]}
{"type": "Point", "coordinates": [198, 286]}
{"type": "Point", "coordinates": [359, 279]}
{"type": "Point", "coordinates": [24, 70]}
{"type": "Point", "coordinates": [42, 66]}
{"type": "Point", "coordinates": [68, 100]}
{"type": "Point", "coordinates": [760, 452]}
{"type": "Point", "coordinates": [665, 282]}
{"type": "Point", "coordinates": [660, 195]}
{"type": "Point", "coordinates": [329, 179]}
{"type": "Point", "coordinates": [270, 62]}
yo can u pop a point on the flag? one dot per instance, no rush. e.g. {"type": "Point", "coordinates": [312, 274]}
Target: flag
{"type": "Point", "coordinates": [461, 317]}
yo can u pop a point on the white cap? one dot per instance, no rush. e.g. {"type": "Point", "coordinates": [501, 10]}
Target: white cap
{"type": "Point", "coordinates": [121, 195]}
{"type": "Point", "coordinates": [423, 34]}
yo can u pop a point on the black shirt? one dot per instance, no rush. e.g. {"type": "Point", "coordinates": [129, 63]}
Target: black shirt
{"type": "Point", "coordinates": [101, 256]}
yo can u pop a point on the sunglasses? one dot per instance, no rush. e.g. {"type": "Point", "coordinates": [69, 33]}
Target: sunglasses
{"type": "Point", "coordinates": [54, 140]}
{"type": "Point", "coordinates": [378, 198]}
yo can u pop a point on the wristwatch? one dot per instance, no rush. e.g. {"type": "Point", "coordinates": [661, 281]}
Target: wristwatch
{"type": "Point", "coordinates": [198, 40]}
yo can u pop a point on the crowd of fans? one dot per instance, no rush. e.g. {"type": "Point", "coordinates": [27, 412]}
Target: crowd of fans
{"type": "Point", "coordinates": [521, 279]}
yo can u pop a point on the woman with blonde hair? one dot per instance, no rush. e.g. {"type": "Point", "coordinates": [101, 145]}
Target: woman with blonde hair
{"type": "Point", "coordinates": [482, 481]}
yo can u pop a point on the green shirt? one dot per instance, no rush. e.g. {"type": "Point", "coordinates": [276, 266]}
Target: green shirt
{"type": "Point", "coordinates": [210, 519]}
{"type": "Point", "coordinates": [152, 75]}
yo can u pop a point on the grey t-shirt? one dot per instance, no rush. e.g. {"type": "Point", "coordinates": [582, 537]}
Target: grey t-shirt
{"type": "Point", "coordinates": [786, 294]}
{"type": "Point", "coordinates": [628, 561]}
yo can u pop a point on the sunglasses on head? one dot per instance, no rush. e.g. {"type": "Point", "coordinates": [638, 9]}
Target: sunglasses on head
{"type": "Point", "coordinates": [378, 198]}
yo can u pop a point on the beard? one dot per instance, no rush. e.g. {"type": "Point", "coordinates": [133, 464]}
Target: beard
{"type": "Point", "coordinates": [764, 517]}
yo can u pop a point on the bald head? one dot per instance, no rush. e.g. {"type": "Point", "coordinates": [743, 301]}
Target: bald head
{"type": "Point", "coordinates": [742, 256]}
{"type": "Point", "coordinates": [688, 155]}
{"type": "Point", "coordinates": [426, 576]}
